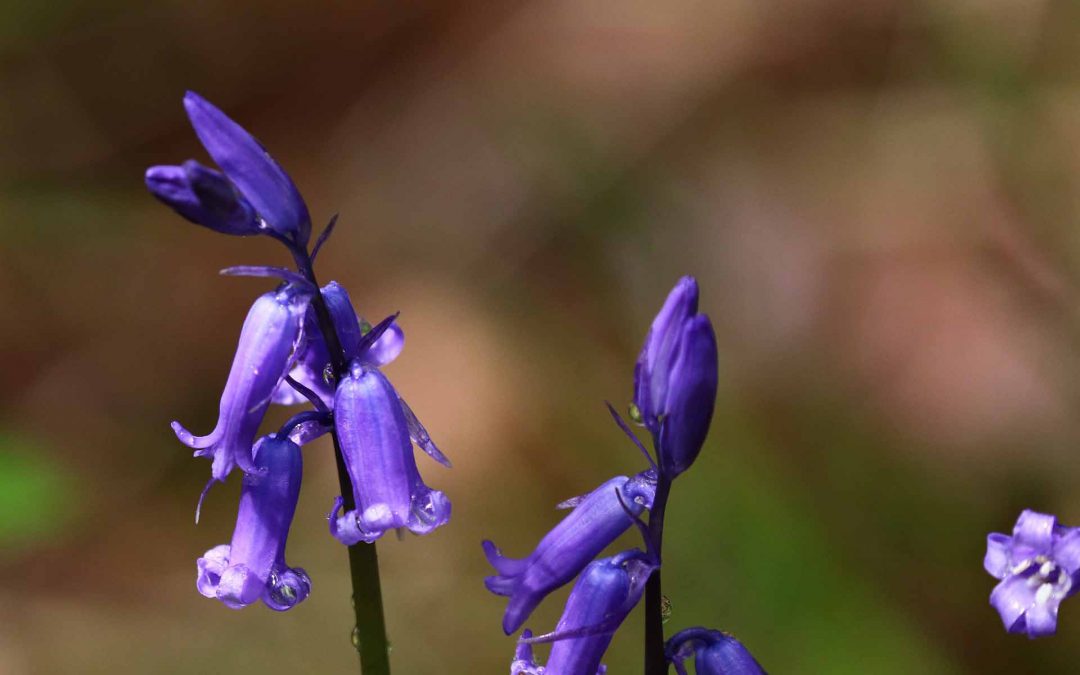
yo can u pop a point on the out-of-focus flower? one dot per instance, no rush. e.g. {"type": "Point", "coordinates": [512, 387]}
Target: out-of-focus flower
{"type": "Point", "coordinates": [1038, 568]}
{"type": "Point", "coordinates": [596, 521]}
{"type": "Point", "coordinates": [676, 377]}
{"type": "Point", "coordinates": [714, 652]}
{"type": "Point", "coordinates": [376, 446]}
{"type": "Point", "coordinates": [598, 604]}
{"type": "Point", "coordinates": [203, 196]}
{"type": "Point", "coordinates": [253, 566]}
{"type": "Point", "coordinates": [262, 357]}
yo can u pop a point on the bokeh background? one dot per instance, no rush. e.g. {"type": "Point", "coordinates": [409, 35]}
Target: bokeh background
{"type": "Point", "coordinates": [880, 200]}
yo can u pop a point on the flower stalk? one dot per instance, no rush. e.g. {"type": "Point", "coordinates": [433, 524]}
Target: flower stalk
{"type": "Point", "coordinates": [369, 634]}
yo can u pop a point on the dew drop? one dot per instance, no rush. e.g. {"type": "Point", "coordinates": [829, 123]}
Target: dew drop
{"type": "Point", "coordinates": [356, 637]}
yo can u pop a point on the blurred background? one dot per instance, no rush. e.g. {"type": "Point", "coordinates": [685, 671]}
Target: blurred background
{"type": "Point", "coordinates": [879, 199]}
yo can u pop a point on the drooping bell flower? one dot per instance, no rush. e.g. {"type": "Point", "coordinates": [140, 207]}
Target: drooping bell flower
{"type": "Point", "coordinates": [675, 379]}
{"type": "Point", "coordinates": [1039, 566]}
{"type": "Point", "coordinates": [374, 438]}
{"type": "Point", "coordinates": [598, 604]}
{"type": "Point", "coordinates": [313, 356]}
{"type": "Point", "coordinates": [203, 196]}
{"type": "Point", "coordinates": [714, 652]}
{"type": "Point", "coordinates": [264, 184]}
{"type": "Point", "coordinates": [596, 521]}
{"type": "Point", "coordinates": [253, 566]}
{"type": "Point", "coordinates": [262, 357]}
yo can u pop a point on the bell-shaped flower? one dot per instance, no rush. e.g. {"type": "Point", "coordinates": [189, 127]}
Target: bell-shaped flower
{"type": "Point", "coordinates": [203, 196]}
{"type": "Point", "coordinates": [598, 604]}
{"type": "Point", "coordinates": [1039, 566]}
{"type": "Point", "coordinates": [255, 174]}
{"type": "Point", "coordinates": [253, 566]}
{"type": "Point", "coordinates": [313, 356]}
{"type": "Point", "coordinates": [374, 438]}
{"type": "Point", "coordinates": [596, 521]}
{"type": "Point", "coordinates": [675, 379]}
{"type": "Point", "coordinates": [714, 652]}
{"type": "Point", "coordinates": [262, 358]}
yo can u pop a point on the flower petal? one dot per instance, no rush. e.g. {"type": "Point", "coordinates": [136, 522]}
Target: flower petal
{"type": "Point", "coordinates": [997, 561]}
{"type": "Point", "coordinates": [1035, 530]}
{"type": "Point", "coordinates": [1012, 598]}
{"type": "Point", "coordinates": [1067, 551]}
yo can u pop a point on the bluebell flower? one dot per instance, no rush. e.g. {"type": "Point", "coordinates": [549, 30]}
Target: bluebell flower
{"type": "Point", "coordinates": [598, 604]}
{"type": "Point", "coordinates": [252, 567]}
{"type": "Point", "coordinates": [262, 358]}
{"type": "Point", "coordinates": [203, 196]}
{"type": "Point", "coordinates": [312, 367]}
{"type": "Point", "coordinates": [596, 521]}
{"type": "Point", "coordinates": [375, 444]}
{"type": "Point", "coordinates": [714, 652]}
{"type": "Point", "coordinates": [1038, 567]}
{"type": "Point", "coordinates": [675, 379]}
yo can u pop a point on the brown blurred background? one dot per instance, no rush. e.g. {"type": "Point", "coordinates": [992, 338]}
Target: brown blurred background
{"type": "Point", "coordinates": [879, 199]}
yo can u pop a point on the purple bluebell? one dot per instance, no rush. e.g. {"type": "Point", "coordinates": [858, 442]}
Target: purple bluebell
{"type": "Point", "coordinates": [375, 444]}
{"type": "Point", "coordinates": [1038, 567]}
{"type": "Point", "coordinates": [596, 521]}
{"type": "Point", "coordinates": [313, 357]}
{"type": "Point", "coordinates": [203, 196]}
{"type": "Point", "coordinates": [598, 604]}
{"type": "Point", "coordinates": [251, 169]}
{"type": "Point", "coordinates": [675, 379]}
{"type": "Point", "coordinates": [253, 566]}
{"type": "Point", "coordinates": [262, 357]}
{"type": "Point", "coordinates": [714, 652]}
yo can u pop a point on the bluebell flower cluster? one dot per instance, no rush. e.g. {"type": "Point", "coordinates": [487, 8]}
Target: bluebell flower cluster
{"type": "Point", "coordinates": [675, 383]}
{"type": "Point", "coordinates": [1039, 566]}
{"type": "Point", "coordinates": [299, 344]}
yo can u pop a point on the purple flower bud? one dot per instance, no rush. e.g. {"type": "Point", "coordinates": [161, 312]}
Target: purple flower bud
{"type": "Point", "coordinates": [600, 601]}
{"type": "Point", "coordinates": [675, 378]}
{"type": "Point", "coordinates": [1038, 567]}
{"type": "Point", "coordinates": [262, 356]}
{"type": "Point", "coordinates": [691, 397]}
{"type": "Point", "coordinates": [374, 438]}
{"type": "Point", "coordinates": [596, 521]}
{"type": "Point", "coordinates": [715, 653]}
{"type": "Point", "coordinates": [253, 566]}
{"type": "Point", "coordinates": [203, 196]}
{"type": "Point", "coordinates": [258, 177]}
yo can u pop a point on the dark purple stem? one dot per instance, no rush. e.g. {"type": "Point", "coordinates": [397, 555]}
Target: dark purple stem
{"type": "Point", "coordinates": [655, 660]}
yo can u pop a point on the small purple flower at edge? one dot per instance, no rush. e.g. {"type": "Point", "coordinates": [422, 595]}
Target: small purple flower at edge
{"type": "Point", "coordinates": [675, 379]}
{"type": "Point", "coordinates": [253, 566]}
{"type": "Point", "coordinates": [597, 520]}
{"type": "Point", "coordinates": [598, 604]}
{"type": "Point", "coordinates": [373, 432]}
{"type": "Point", "coordinates": [1038, 567]}
{"type": "Point", "coordinates": [715, 653]}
